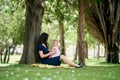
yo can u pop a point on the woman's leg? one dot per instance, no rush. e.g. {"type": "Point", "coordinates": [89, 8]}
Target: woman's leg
{"type": "Point", "coordinates": [67, 61]}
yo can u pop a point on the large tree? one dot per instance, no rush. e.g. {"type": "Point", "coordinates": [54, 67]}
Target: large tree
{"type": "Point", "coordinates": [102, 18]}
{"type": "Point", "coordinates": [34, 14]}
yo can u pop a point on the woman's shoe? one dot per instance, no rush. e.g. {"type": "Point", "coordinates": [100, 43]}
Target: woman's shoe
{"type": "Point", "coordinates": [79, 66]}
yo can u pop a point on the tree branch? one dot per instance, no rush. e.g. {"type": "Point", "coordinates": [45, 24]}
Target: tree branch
{"type": "Point", "coordinates": [117, 17]}
{"type": "Point", "coordinates": [91, 24]}
{"type": "Point", "coordinates": [102, 21]}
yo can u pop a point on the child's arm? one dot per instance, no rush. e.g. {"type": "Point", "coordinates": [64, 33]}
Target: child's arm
{"type": "Point", "coordinates": [52, 50]}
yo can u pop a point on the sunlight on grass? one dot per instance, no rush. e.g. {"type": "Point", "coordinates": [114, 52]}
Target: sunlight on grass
{"type": "Point", "coordinates": [14, 59]}
{"type": "Point", "coordinates": [94, 70]}
{"type": "Point", "coordinates": [95, 62]}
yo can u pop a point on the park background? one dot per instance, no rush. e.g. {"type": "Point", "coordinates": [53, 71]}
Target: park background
{"type": "Point", "coordinates": [88, 32]}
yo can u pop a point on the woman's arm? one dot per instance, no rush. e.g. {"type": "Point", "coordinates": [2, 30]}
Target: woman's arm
{"type": "Point", "coordinates": [44, 55]}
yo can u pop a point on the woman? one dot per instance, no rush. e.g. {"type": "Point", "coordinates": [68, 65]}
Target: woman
{"type": "Point", "coordinates": [44, 53]}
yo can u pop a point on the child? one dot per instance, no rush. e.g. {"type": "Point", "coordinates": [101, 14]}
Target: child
{"type": "Point", "coordinates": [56, 49]}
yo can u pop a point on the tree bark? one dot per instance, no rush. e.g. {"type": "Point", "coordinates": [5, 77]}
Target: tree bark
{"type": "Point", "coordinates": [62, 43]}
{"type": "Point", "coordinates": [76, 54]}
{"type": "Point", "coordinates": [34, 14]}
{"type": "Point", "coordinates": [112, 55]}
{"type": "Point", "coordinates": [113, 22]}
{"type": "Point", "coordinates": [98, 51]}
{"type": "Point", "coordinates": [80, 32]}
{"type": "Point", "coordinates": [85, 45]}
{"type": "Point", "coordinates": [105, 20]}
{"type": "Point", "coordinates": [1, 52]}
{"type": "Point", "coordinates": [113, 48]}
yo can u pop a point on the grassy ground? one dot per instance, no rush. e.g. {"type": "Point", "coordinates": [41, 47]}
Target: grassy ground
{"type": "Point", "coordinates": [94, 70]}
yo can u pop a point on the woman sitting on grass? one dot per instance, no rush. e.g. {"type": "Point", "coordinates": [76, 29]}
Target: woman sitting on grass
{"type": "Point", "coordinates": [44, 53]}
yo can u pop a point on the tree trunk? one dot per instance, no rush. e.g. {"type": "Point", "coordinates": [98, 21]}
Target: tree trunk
{"type": "Point", "coordinates": [34, 14]}
{"type": "Point", "coordinates": [94, 51]}
{"type": "Point", "coordinates": [13, 47]}
{"type": "Point", "coordinates": [8, 58]}
{"type": "Point", "coordinates": [0, 58]}
{"type": "Point", "coordinates": [62, 43]}
{"type": "Point", "coordinates": [112, 55]}
{"type": "Point", "coordinates": [85, 49]}
{"type": "Point", "coordinates": [5, 55]}
{"type": "Point", "coordinates": [119, 39]}
{"type": "Point", "coordinates": [75, 56]}
{"type": "Point", "coordinates": [113, 49]}
{"type": "Point", "coordinates": [1, 52]}
{"type": "Point", "coordinates": [98, 52]}
{"type": "Point", "coordinates": [80, 37]}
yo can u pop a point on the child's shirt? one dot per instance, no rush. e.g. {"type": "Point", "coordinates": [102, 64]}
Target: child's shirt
{"type": "Point", "coordinates": [57, 51]}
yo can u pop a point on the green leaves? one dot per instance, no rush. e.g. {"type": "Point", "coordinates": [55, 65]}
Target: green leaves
{"type": "Point", "coordinates": [12, 20]}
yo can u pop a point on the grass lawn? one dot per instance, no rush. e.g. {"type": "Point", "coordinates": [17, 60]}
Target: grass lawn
{"type": "Point", "coordinates": [94, 70]}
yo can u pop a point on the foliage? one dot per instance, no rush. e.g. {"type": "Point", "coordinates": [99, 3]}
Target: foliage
{"type": "Point", "coordinates": [56, 11]}
{"type": "Point", "coordinates": [69, 11]}
{"type": "Point", "coordinates": [12, 20]}
{"type": "Point", "coordinates": [90, 39]}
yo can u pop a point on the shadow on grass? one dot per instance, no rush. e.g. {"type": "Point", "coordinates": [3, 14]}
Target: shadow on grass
{"type": "Point", "coordinates": [42, 66]}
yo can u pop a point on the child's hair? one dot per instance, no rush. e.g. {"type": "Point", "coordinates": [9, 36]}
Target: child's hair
{"type": "Point", "coordinates": [55, 40]}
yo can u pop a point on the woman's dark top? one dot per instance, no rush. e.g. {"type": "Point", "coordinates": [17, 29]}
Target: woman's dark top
{"type": "Point", "coordinates": [50, 61]}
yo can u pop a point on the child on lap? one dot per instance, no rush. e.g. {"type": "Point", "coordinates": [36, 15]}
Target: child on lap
{"type": "Point", "coordinates": [56, 48]}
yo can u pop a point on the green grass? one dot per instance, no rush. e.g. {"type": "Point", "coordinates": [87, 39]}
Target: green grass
{"type": "Point", "coordinates": [94, 70]}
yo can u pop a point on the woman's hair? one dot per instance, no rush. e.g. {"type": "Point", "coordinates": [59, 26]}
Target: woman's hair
{"type": "Point", "coordinates": [43, 39]}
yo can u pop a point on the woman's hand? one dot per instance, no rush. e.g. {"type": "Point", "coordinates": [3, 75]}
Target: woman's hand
{"type": "Point", "coordinates": [45, 55]}
{"type": "Point", "coordinates": [51, 52]}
